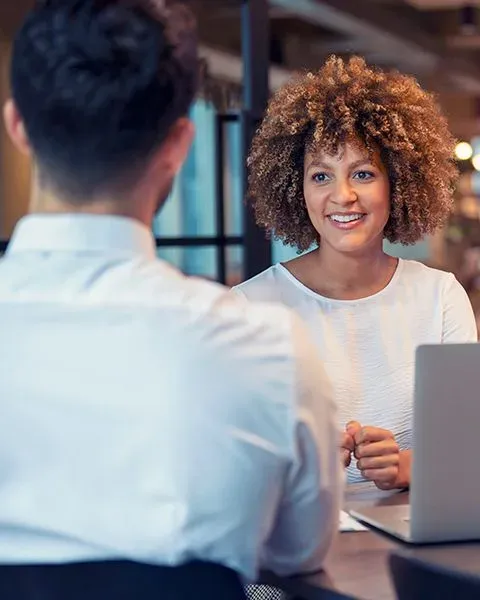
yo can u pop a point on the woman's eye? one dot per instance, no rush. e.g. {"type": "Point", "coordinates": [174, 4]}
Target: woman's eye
{"type": "Point", "coordinates": [320, 177]}
{"type": "Point", "coordinates": [363, 175]}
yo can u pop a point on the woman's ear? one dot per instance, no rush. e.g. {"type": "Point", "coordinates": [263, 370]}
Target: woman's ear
{"type": "Point", "coordinates": [15, 127]}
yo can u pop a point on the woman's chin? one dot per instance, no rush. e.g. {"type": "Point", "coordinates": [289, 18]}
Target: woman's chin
{"type": "Point", "coordinates": [353, 246]}
{"type": "Point", "coordinates": [355, 242]}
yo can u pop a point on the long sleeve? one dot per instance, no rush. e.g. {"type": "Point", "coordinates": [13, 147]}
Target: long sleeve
{"type": "Point", "coordinates": [308, 516]}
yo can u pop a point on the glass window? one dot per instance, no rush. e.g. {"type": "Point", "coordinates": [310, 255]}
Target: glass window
{"type": "Point", "coordinates": [192, 260]}
{"type": "Point", "coordinates": [282, 253]}
{"type": "Point", "coordinates": [233, 173]}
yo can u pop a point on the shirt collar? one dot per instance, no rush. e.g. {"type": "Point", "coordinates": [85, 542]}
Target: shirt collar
{"type": "Point", "coordinates": [82, 233]}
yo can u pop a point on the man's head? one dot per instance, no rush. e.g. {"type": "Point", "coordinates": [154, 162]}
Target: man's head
{"type": "Point", "coordinates": [101, 90]}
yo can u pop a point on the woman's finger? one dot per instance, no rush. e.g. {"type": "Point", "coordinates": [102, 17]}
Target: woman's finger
{"type": "Point", "coordinates": [372, 434]}
{"type": "Point", "coordinates": [346, 441]}
{"type": "Point", "coordinates": [381, 475]}
{"type": "Point", "coordinates": [378, 462]}
{"type": "Point", "coordinates": [377, 449]}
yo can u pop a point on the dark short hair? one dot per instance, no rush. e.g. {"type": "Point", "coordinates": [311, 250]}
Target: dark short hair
{"type": "Point", "coordinates": [98, 84]}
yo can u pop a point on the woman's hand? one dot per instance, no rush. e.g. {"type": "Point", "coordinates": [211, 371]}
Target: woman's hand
{"type": "Point", "coordinates": [380, 459]}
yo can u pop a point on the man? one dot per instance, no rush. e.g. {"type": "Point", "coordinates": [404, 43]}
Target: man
{"type": "Point", "coordinates": [145, 415]}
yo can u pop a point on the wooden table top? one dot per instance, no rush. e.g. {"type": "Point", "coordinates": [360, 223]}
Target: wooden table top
{"type": "Point", "coordinates": [357, 566]}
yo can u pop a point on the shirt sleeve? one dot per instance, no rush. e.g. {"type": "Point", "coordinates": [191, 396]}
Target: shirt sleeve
{"type": "Point", "coordinates": [459, 323]}
{"type": "Point", "coordinates": [308, 516]}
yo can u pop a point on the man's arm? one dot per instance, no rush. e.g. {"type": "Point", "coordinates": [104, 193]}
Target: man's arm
{"type": "Point", "coordinates": [308, 515]}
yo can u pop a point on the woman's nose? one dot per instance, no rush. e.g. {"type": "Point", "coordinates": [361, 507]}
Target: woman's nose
{"type": "Point", "coordinates": [345, 193]}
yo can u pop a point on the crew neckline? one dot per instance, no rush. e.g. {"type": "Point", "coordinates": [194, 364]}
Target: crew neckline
{"type": "Point", "coordinates": [317, 296]}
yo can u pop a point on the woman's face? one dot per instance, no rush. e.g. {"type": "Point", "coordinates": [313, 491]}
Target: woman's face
{"type": "Point", "coordinates": [347, 198]}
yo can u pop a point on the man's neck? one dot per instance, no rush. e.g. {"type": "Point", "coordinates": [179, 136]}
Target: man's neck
{"type": "Point", "coordinates": [46, 202]}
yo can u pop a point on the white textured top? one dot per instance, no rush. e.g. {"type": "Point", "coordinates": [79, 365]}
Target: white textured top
{"type": "Point", "coordinates": [368, 345]}
{"type": "Point", "coordinates": [150, 416]}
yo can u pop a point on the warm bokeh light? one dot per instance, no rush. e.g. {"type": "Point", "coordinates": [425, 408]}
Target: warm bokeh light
{"type": "Point", "coordinates": [476, 162]}
{"type": "Point", "coordinates": [463, 151]}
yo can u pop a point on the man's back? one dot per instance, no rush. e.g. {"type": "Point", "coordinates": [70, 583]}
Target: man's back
{"type": "Point", "coordinates": [150, 416]}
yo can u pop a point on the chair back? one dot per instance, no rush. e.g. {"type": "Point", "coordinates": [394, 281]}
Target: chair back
{"type": "Point", "coordinates": [119, 580]}
{"type": "Point", "coordinates": [416, 579]}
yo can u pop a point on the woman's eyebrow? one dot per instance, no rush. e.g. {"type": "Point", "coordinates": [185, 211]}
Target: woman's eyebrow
{"type": "Point", "coordinates": [324, 165]}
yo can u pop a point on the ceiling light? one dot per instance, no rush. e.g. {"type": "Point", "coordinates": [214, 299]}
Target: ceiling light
{"type": "Point", "coordinates": [463, 151]}
{"type": "Point", "coordinates": [476, 162]}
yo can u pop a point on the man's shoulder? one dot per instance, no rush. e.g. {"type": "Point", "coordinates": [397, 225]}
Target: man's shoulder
{"type": "Point", "coordinates": [255, 345]}
{"type": "Point", "coordinates": [158, 286]}
{"type": "Point", "coordinates": [159, 283]}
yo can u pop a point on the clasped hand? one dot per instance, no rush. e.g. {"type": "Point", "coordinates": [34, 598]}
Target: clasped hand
{"type": "Point", "coordinates": [378, 455]}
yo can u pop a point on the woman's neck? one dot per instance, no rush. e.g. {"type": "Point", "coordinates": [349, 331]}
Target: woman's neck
{"type": "Point", "coordinates": [344, 276]}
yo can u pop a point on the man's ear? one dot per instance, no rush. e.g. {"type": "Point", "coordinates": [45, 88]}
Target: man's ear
{"type": "Point", "coordinates": [175, 148]}
{"type": "Point", "coordinates": [15, 127]}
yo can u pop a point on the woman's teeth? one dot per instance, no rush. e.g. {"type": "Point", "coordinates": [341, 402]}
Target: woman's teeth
{"type": "Point", "coordinates": [346, 218]}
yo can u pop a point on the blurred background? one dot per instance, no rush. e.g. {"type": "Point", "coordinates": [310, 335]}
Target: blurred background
{"type": "Point", "coordinates": [205, 229]}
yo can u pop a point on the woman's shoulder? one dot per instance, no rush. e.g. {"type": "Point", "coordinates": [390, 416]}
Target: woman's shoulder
{"type": "Point", "coordinates": [445, 291]}
{"type": "Point", "coordinates": [415, 271]}
{"type": "Point", "coordinates": [432, 286]}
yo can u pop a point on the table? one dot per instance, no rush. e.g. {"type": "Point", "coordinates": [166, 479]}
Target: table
{"type": "Point", "coordinates": [357, 566]}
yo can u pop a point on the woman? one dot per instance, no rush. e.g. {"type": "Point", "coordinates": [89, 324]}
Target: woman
{"type": "Point", "coordinates": [345, 158]}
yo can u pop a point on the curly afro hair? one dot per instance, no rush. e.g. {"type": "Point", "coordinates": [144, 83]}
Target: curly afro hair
{"type": "Point", "coordinates": [347, 100]}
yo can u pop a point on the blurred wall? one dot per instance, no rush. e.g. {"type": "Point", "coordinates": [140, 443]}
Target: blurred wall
{"type": "Point", "coordinates": [14, 167]}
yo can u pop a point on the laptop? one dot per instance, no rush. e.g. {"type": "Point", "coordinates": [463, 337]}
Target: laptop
{"type": "Point", "coordinates": [445, 481]}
